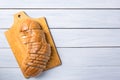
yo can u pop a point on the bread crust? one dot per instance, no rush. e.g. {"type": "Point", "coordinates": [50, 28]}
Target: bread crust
{"type": "Point", "coordinates": [38, 50]}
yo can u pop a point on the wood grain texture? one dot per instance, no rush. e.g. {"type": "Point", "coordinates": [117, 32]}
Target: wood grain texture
{"type": "Point", "coordinates": [98, 55]}
{"type": "Point", "coordinates": [87, 64]}
{"type": "Point", "coordinates": [68, 18]}
{"type": "Point", "coordinates": [79, 37]}
{"type": "Point", "coordinates": [60, 4]}
{"type": "Point", "coordinates": [66, 73]}
{"type": "Point", "coordinates": [74, 57]}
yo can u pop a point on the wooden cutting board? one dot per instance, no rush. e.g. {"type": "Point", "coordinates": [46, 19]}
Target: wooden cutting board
{"type": "Point", "coordinates": [17, 47]}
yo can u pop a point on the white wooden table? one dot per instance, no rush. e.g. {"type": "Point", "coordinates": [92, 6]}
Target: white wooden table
{"type": "Point", "coordinates": [86, 33]}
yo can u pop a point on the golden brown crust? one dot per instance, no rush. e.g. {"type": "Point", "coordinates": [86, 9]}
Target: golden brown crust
{"type": "Point", "coordinates": [38, 50]}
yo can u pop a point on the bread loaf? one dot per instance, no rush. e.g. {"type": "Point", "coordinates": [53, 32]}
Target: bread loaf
{"type": "Point", "coordinates": [38, 52]}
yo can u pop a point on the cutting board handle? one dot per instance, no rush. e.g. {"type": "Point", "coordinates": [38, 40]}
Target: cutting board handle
{"type": "Point", "coordinates": [20, 16]}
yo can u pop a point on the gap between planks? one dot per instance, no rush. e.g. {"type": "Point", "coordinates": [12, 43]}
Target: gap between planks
{"type": "Point", "coordinates": [78, 47]}
{"type": "Point", "coordinates": [98, 66]}
{"type": "Point", "coordinates": [81, 28]}
{"type": "Point", "coordinates": [60, 8]}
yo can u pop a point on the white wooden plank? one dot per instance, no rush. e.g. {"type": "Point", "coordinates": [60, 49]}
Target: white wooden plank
{"type": "Point", "coordinates": [66, 73]}
{"type": "Point", "coordinates": [7, 58]}
{"type": "Point", "coordinates": [60, 4]}
{"type": "Point", "coordinates": [79, 37]}
{"type": "Point", "coordinates": [74, 57]}
{"type": "Point", "coordinates": [68, 18]}
{"type": "Point", "coordinates": [86, 37]}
